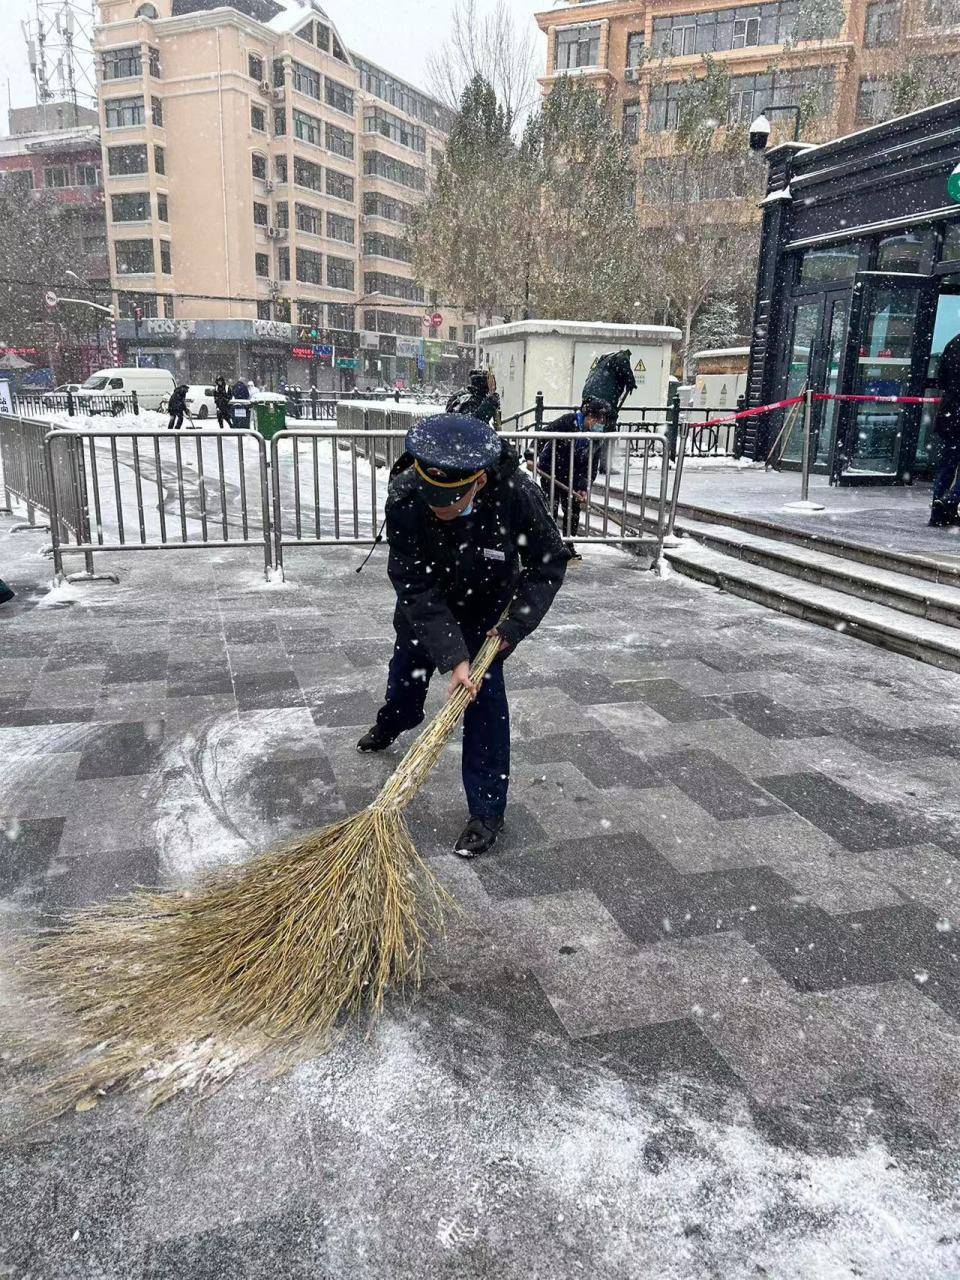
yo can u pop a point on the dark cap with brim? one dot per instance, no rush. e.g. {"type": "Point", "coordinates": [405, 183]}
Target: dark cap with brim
{"type": "Point", "coordinates": [450, 452]}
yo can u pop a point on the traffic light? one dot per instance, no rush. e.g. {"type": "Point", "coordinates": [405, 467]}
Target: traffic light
{"type": "Point", "coordinates": [314, 334]}
{"type": "Point", "coordinates": [137, 319]}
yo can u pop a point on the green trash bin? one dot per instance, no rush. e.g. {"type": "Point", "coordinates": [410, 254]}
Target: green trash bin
{"type": "Point", "coordinates": [271, 417]}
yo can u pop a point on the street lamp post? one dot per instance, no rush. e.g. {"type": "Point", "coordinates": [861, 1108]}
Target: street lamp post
{"type": "Point", "coordinates": [53, 300]}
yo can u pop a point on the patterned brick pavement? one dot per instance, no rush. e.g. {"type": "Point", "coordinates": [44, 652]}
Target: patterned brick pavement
{"type": "Point", "coordinates": [731, 866]}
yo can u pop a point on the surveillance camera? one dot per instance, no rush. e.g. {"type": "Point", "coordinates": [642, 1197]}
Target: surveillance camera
{"type": "Point", "coordinates": [759, 133]}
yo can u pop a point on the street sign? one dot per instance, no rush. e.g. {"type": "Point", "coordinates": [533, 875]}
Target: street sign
{"type": "Point", "coordinates": [436, 320]}
{"type": "Point", "coordinates": [427, 321]}
{"type": "Point", "coordinates": [50, 298]}
{"type": "Point", "coordinates": [347, 362]}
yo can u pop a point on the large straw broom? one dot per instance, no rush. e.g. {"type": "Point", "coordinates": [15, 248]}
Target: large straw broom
{"type": "Point", "coordinates": [161, 990]}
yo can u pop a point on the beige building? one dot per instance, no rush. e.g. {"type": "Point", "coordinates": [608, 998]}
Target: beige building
{"type": "Point", "coordinates": [259, 178]}
{"type": "Point", "coordinates": [641, 52]}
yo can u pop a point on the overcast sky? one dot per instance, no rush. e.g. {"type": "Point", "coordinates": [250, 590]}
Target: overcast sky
{"type": "Point", "coordinates": [399, 34]}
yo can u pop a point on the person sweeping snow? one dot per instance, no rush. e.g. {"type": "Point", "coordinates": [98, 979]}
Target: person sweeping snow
{"type": "Point", "coordinates": [470, 537]}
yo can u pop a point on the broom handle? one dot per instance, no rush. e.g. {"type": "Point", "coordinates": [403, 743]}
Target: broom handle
{"type": "Point", "coordinates": [411, 773]}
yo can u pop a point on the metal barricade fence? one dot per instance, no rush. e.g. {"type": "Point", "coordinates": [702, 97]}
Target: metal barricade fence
{"type": "Point", "coordinates": [330, 487]}
{"type": "Point", "coordinates": [21, 456]}
{"type": "Point", "coordinates": [76, 403]}
{"type": "Point", "coordinates": [141, 490]}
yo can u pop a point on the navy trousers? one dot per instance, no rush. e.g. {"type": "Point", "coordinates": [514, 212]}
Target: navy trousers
{"type": "Point", "coordinates": [946, 480]}
{"type": "Point", "coordinates": [485, 762]}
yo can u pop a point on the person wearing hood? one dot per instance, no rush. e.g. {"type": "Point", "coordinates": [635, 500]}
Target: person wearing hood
{"type": "Point", "coordinates": [478, 400]}
{"type": "Point", "coordinates": [177, 407]}
{"type": "Point", "coordinates": [221, 398]}
{"type": "Point", "coordinates": [470, 540]}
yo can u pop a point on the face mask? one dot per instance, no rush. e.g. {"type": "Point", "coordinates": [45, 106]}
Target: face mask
{"type": "Point", "coordinates": [597, 426]}
{"type": "Point", "coordinates": [466, 510]}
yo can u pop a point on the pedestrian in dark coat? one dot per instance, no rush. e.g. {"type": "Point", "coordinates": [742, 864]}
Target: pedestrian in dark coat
{"type": "Point", "coordinates": [565, 476]}
{"type": "Point", "coordinates": [177, 407]}
{"type": "Point", "coordinates": [6, 593]}
{"type": "Point", "coordinates": [469, 537]}
{"type": "Point", "coordinates": [478, 400]}
{"type": "Point", "coordinates": [946, 481]}
{"type": "Point", "coordinates": [240, 412]}
{"type": "Point", "coordinates": [221, 399]}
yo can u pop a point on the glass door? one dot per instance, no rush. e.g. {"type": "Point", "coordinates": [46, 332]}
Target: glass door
{"type": "Point", "coordinates": [805, 334]}
{"type": "Point", "coordinates": [891, 317]}
{"type": "Point", "coordinates": [818, 339]}
{"type": "Point", "coordinates": [825, 415]}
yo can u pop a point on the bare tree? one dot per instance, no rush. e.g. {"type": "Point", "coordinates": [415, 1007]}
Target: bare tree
{"type": "Point", "coordinates": [490, 43]}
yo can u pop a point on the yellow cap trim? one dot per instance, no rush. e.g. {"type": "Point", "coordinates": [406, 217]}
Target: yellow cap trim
{"type": "Point", "coordinates": [447, 484]}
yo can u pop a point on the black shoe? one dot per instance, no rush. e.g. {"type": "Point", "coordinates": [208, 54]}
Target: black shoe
{"type": "Point", "coordinates": [942, 514]}
{"type": "Point", "coordinates": [572, 552]}
{"type": "Point", "coordinates": [479, 835]}
{"type": "Point", "coordinates": [6, 593]}
{"type": "Point", "coordinates": [375, 739]}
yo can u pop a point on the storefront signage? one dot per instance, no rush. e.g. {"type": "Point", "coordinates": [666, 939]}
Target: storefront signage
{"type": "Point", "coordinates": [409, 347]}
{"type": "Point", "coordinates": [278, 329]}
{"type": "Point", "coordinates": [347, 362]}
{"type": "Point", "coordinates": [160, 325]}
{"type": "Point", "coordinates": [370, 341]}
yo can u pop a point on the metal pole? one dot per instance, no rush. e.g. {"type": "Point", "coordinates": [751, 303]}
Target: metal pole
{"type": "Point", "coordinates": [805, 481]}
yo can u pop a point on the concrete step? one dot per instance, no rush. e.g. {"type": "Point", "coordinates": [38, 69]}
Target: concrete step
{"type": "Point", "coordinates": [919, 638]}
{"type": "Point", "coordinates": [929, 568]}
{"type": "Point", "coordinates": [900, 589]}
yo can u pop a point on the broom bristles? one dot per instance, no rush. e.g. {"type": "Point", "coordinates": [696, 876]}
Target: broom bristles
{"type": "Point", "coordinates": [162, 990]}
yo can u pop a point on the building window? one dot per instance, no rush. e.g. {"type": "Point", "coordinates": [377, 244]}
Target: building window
{"type": "Point", "coordinates": [128, 302]}
{"type": "Point", "coordinates": [263, 310]}
{"type": "Point", "coordinates": [156, 112]}
{"type": "Point", "coordinates": [58, 176]}
{"type": "Point", "coordinates": [124, 113]}
{"type": "Point", "coordinates": [261, 214]}
{"type": "Point", "coordinates": [340, 185]}
{"type": "Point", "coordinates": [159, 160]}
{"type": "Point", "coordinates": [309, 266]}
{"type": "Point", "coordinates": [307, 174]}
{"type": "Point", "coordinates": [154, 57]}
{"type": "Point", "coordinates": [341, 228]}
{"type": "Point", "coordinates": [310, 313]}
{"type": "Point", "coordinates": [631, 122]}
{"type": "Point", "coordinates": [338, 96]}
{"type": "Point", "coordinates": [166, 265]}
{"type": "Point", "coordinates": [340, 141]}
{"type": "Point", "coordinates": [381, 246]}
{"type": "Point", "coordinates": [121, 64]}
{"type": "Point", "coordinates": [18, 179]}
{"type": "Point", "coordinates": [123, 160]}
{"type": "Point", "coordinates": [280, 167]}
{"type": "Point", "coordinates": [909, 251]}
{"type": "Point", "coordinates": [414, 136]}
{"type": "Point", "coordinates": [943, 13]}
{"type": "Point", "coordinates": [636, 48]}
{"type": "Point", "coordinates": [749, 95]}
{"type": "Point", "coordinates": [162, 208]}
{"type": "Point", "coordinates": [88, 175]}
{"type": "Point", "coordinates": [307, 128]}
{"type": "Point", "coordinates": [578, 47]}
{"type": "Point", "coordinates": [379, 84]}
{"type": "Point", "coordinates": [392, 286]}
{"type": "Point", "coordinates": [376, 164]}
{"type": "Point", "coordinates": [279, 121]}
{"type": "Point", "coordinates": [258, 166]}
{"type": "Point", "coordinates": [452, 333]}
{"type": "Point", "coordinates": [261, 264]}
{"type": "Point", "coordinates": [258, 119]}
{"type": "Point", "coordinates": [470, 334]}
{"type": "Point", "coordinates": [717, 30]}
{"type": "Point", "coordinates": [96, 244]}
{"type": "Point", "coordinates": [282, 214]}
{"type": "Point", "coordinates": [883, 23]}
{"type": "Point", "coordinates": [664, 106]}
{"type": "Point", "coordinates": [309, 219]}
{"type": "Point", "coordinates": [377, 205]}
{"type": "Point", "coordinates": [873, 100]}
{"type": "Point", "coordinates": [255, 67]}
{"type": "Point", "coordinates": [283, 263]}
{"type": "Point", "coordinates": [131, 206]}
{"type": "Point", "coordinates": [281, 310]}
{"type": "Point", "coordinates": [134, 257]}
{"type": "Point", "coordinates": [279, 75]}
{"type": "Point", "coordinates": [835, 262]}
{"type": "Point", "coordinates": [340, 315]}
{"type": "Point", "coordinates": [148, 11]}
{"type": "Point", "coordinates": [306, 81]}
{"type": "Point", "coordinates": [340, 273]}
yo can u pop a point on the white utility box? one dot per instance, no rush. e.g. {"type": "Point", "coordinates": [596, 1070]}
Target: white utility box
{"type": "Point", "coordinates": [555, 356]}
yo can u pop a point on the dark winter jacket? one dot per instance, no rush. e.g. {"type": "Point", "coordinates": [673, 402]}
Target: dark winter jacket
{"type": "Point", "coordinates": [178, 401]}
{"type": "Point", "coordinates": [558, 464]}
{"type": "Point", "coordinates": [457, 576]}
{"type": "Point", "coordinates": [610, 376]}
{"type": "Point", "coordinates": [474, 405]}
{"type": "Point", "coordinates": [240, 390]}
{"type": "Point", "coordinates": [947, 422]}
{"type": "Point", "coordinates": [221, 398]}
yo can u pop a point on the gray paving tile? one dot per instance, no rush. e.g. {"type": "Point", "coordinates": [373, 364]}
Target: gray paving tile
{"type": "Point", "coordinates": [840, 813]}
{"type": "Point", "coordinates": [716, 785]}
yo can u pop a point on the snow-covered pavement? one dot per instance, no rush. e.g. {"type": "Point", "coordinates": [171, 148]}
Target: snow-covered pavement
{"type": "Point", "coordinates": [699, 1015]}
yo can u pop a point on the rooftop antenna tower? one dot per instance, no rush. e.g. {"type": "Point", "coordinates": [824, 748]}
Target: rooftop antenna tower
{"type": "Point", "coordinates": [59, 40]}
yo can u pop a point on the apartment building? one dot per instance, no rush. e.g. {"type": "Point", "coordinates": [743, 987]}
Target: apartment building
{"type": "Point", "coordinates": [259, 179]}
{"type": "Point", "coordinates": [641, 52]}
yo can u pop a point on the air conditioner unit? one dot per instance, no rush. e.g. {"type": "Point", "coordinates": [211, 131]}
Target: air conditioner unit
{"type": "Point", "coordinates": [272, 232]}
{"type": "Point", "coordinates": [268, 185]}
{"type": "Point", "coordinates": [265, 86]}
{"type": "Point", "coordinates": [631, 74]}
{"type": "Point", "coordinates": [279, 93]}
{"type": "Point", "coordinates": [363, 219]}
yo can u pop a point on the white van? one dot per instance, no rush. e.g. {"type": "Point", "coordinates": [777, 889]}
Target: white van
{"type": "Point", "coordinates": [107, 390]}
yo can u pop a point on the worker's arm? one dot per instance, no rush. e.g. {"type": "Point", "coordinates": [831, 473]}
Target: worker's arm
{"type": "Point", "coordinates": [420, 602]}
{"type": "Point", "coordinates": [544, 560]}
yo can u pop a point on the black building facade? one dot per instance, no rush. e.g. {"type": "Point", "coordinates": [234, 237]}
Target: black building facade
{"type": "Point", "coordinates": [858, 291]}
